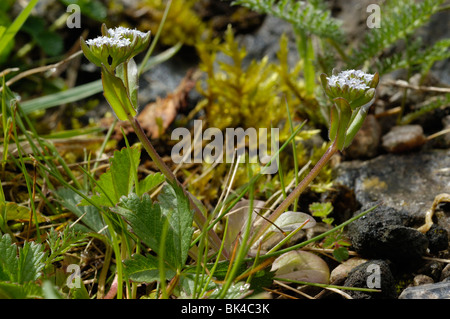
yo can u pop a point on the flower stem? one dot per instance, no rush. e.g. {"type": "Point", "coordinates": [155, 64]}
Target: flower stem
{"type": "Point", "coordinates": [297, 191]}
{"type": "Point", "coordinates": [199, 218]}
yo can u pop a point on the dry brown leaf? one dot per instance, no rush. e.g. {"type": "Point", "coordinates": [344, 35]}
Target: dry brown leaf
{"type": "Point", "coordinates": [156, 117]}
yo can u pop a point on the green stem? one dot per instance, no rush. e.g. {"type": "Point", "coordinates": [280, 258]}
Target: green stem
{"type": "Point", "coordinates": [117, 254]}
{"type": "Point", "coordinates": [155, 39]}
{"type": "Point", "coordinates": [199, 218]}
{"type": "Point", "coordinates": [297, 191]}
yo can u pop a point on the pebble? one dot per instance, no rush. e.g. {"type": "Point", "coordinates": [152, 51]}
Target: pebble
{"type": "Point", "coordinates": [341, 272]}
{"type": "Point", "coordinates": [445, 272]}
{"type": "Point", "coordinates": [422, 280]}
{"type": "Point", "coordinates": [366, 141]}
{"type": "Point", "coordinates": [374, 274]}
{"type": "Point", "coordinates": [440, 290]}
{"type": "Point", "coordinates": [401, 139]}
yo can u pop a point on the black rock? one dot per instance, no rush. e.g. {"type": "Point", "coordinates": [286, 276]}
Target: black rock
{"type": "Point", "coordinates": [382, 234]}
{"type": "Point", "coordinates": [374, 274]}
{"type": "Point", "coordinates": [437, 238]}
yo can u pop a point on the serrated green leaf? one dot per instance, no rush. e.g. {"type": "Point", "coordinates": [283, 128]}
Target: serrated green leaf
{"type": "Point", "coordinates": [118, 180]}
{"type": "Point", "coordinates": [148, 219]}
{"type": "Point", "coordinates": [176, 207]}
{"type": "Point", "coordinates": [145, 269]}
{"type": "Point", "coordinates": [30, 262]}
{"type": "Point", "coordinates": [8, 259]}
{"type": "Point", "coordinates": [24, 268]}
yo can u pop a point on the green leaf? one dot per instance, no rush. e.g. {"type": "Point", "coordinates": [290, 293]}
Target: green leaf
{"type": "Point", "coordinates": [10, 33]}
{"type": "Point", "coordinates": [322, 210]}
{"type": "Point", "coordinates": [30, 262]}
{"type": "Point", "coordinates": [116, 95]}
{"type": "Point", "coordinates": [148, 219]}
{"type": "Point", "coordinates": [176, 207]}
{"type": "Point", "coordinates": [150, 182]}
{"type": "Point", "coordinates": [90, 215]}
{"type": "Point", "coordinates": [131, 78]}
{"type": "Point", "coordinates": [340, 253]}
{"type": "Point", "coordinates": [8, 260]}
{"type": "Point", "coordinates": [118, 180]}
{"type": "Point", "coordinates": [145, 269]}
{"type": "Point", "coordinates": [26, 267]}
{"type": "Point", "coordinates": [28, 290]}
{"type": "Point", "coordinates": [68, 96]}
{"type": "Point", "coordinates": [15, 211]}
{"type": "Point", "coordinates": [50, 42]}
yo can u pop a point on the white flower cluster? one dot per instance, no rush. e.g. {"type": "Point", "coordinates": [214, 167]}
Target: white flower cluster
{"type": "Point", "coordinates": [118, 37]}
{"type": "Point", "coordinates": [109, 41]}
{"type": "Point", "coordinates": [123, 32]}
{"type": "Point", "coordinates": [355, 79]}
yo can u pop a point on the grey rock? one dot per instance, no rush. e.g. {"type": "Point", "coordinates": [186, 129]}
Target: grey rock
{"type": "Point", "coordinates": [440, 290]}
{"type": "Point", "coordinates": [407, 182]}
{"type": "Point", "coordinates": [265, 41]}
{"type": "Point", "coordinates": [381, 234]}
{"type": "Point", "coordinates": [374, 274]}
{"type": "Point", "coordinates": [404, 138]}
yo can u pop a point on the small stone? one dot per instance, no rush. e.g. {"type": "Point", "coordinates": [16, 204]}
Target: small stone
{"type": "Point", "coordinates": [374, 274]}
{"type": "Point", "coordinates": [422, 280]}
{"type": "Point", "coordinates": [440, 290]}
{"type": "Point", "coordinates": [445, 273]}
{"type": "Point", "coordinates": [437, 238]}
{"type": "Point", "coordinates": [404, 138]}
{"type": "Point", "coordinates": [432, 269]}
{"type": "Point", "coordinates": [340, 273]}
{"type": "Point", "coordinates": [366, 141]}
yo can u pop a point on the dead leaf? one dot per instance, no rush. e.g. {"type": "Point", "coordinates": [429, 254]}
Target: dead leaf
{"type": "Point", "coordinates": [156, 117]}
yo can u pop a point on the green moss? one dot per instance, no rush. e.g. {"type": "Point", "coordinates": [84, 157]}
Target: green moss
{"type": "Point", "coordinates": [182, 23]}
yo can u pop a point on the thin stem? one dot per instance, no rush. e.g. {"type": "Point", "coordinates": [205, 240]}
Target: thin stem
{"type": "Point", "coordinates": [155, 39]}
{"type": "Point", "coordinates": [199, 218]}
{"type": "Point", "coordinates": [297, 191]}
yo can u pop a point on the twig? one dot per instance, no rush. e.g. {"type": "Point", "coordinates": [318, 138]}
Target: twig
{"type": "Point", "coordinates": [404, 84]}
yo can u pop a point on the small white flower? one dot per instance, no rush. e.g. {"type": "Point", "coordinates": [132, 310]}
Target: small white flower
{"type": "Point", "coordinates": [110, 41]}
{"type": "Point", "coordinates": [124, 32]}
{"type": "Point", "coordinates": [357, 80]}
